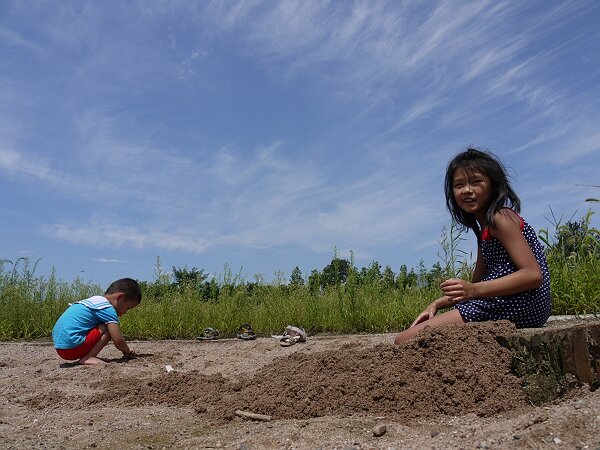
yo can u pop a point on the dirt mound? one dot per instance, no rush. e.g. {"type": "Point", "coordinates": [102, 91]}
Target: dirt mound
{"type": "Point", "coordinates": [449, 370]}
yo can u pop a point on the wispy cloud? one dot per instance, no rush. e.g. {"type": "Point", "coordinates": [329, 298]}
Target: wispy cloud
{"type": "Point", "coordinates": [109, 261]}
{"type": "Point", "coordinates": [201, 127]}
{"type": "Point", "coordinates": [14, 38]}
{"type": "Point", "coordinates": [100, 234]}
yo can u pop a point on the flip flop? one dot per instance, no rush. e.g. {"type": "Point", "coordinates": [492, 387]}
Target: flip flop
{"type": "Point", "coordinates": [291, 335]}
{"type": "Point", "coordinates": [245, 332]}
{"type": "Point", "coordinates": [289, 341]}
{"type": "Point", "coordinates": [209, 334]}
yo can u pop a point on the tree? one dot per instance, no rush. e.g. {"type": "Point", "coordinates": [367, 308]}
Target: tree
{"type": "Point", "coordinates": [296, 279]}
{"type": "Point", "coordinates": [189, 278]}
{"type": "Point", "coordinates": [402, 279]}
{"type": "Point", "coordinates": [411, 278]}
{"type": "Point", "coordinates": [335, 273]}
{"type": "Point", "coordinates": [372, 274]}
{"type": "Point", "coordinates": [388, 277]}
{"type": "Point", "coordinates": [314, 281]}
{"type": "Point", "coordinates": [436, 274]}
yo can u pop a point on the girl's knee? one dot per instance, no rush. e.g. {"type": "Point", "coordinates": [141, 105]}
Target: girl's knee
{"type": "Point", "coordinates": [405, 335]}
{"type": "Point", "coordinates": [400, 338]}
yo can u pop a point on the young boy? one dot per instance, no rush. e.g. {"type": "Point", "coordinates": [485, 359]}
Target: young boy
{"type": "Point", "coordinates": [87, 325]}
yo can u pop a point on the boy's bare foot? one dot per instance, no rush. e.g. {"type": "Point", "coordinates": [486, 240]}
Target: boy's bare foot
{"type": "Point", "coordinates": [90, 361]}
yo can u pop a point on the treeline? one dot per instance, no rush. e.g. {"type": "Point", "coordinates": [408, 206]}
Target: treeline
{"type": "Point", "coordinates": [339, 272]}
{"type": "Point", "coordinates": [339, 298]}
{"type": "Point", "coordinates": [571, 242]}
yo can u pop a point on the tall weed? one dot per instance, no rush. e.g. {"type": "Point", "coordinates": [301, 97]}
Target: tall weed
{"type": "Point", "coordinates": [573, 252]}
{"type": "Point", "coordinates": [363, 302]}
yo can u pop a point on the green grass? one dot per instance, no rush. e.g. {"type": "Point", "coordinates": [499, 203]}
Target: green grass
{"type": "Point", "coordinates": [574, 264]}
{"type": "Point", "coordinates": [30, 304]}
{"type": "Point", "coordinates": [269, 309]}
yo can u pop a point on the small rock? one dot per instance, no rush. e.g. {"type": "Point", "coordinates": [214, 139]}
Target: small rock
{"type": "Point", "coordinates": [434, 433]}
{"type": "Point", "coordinates": [379, 430]}
{"type": "Point", "coordinates": [557, 440]}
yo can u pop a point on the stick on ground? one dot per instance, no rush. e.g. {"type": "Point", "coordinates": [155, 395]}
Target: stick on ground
{"type": "Point", "coordinates": [253, 416]}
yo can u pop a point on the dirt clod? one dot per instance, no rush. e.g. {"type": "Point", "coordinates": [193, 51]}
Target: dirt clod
{"type": "Point", "coordinates": [379, 430]}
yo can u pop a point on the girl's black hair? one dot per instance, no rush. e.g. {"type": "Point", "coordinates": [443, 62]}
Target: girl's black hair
{"type": "Point", "coordinates": [503, 195]}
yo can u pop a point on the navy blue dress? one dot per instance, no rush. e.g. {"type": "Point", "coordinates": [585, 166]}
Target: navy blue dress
{"type": "Point", "coordinates": [525, 309]}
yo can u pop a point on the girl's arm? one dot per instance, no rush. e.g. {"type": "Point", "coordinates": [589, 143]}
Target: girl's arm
{"type": "Point", "coordinates": [433, 308]}
{"type": "Point", "coordinates": [479, 271]}
{"type": "Point", "coordinates": [527, 276]}
{"type": "Point", "coordinates": [446, 301]}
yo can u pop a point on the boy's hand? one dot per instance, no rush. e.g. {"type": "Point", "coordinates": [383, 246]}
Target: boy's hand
{"type": "Point", "coordinates": [129, 355]}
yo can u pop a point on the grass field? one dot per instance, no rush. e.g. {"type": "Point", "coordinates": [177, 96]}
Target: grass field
{"type": "Point", "coordinates": [366, 301]}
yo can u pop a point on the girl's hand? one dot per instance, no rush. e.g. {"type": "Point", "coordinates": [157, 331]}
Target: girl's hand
{"type": "Point", "coordinates": [427, 314]}
{"type": "Point", "coordinates": [459, 290]}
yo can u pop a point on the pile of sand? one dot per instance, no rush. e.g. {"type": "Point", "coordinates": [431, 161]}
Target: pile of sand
{"type": "Point", "coordinates": [449, 370]}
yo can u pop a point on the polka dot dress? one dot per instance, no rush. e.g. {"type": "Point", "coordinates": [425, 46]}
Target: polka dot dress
{"type": "Point", "coordinates": [529, 308]}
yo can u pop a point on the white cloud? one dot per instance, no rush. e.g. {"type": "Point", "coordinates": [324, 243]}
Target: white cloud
{"type": "Point", "coordinates": [9, 159]}
{"type": "Point", "coordinates": [100, 234]}
{"type": "Point", "coordinates": [109, 260]}
{"type": "Point", "coordinates": [432, 74]}
{"type": "Point", "coordinates": [587, 143]}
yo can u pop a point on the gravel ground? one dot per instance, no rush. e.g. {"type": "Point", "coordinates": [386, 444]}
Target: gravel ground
{"type": "Point", "coordinates": [450, 388]}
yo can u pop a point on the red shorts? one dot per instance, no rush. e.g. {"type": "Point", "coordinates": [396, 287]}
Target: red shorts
{"type": "Point", "coordinates": [80, 351]}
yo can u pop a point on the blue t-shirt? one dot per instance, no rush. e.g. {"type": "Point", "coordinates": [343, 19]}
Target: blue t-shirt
{"type": "Point", "coordinates": [76, 322]}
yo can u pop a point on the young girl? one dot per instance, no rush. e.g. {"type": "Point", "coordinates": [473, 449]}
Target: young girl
{"type": "Point", "coordinates": [511, 279]}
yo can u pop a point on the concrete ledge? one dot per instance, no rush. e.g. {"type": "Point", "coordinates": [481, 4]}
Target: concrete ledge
{"type": "Point", "coordinates": [553, 359]}
{"type": "Point", "coordinates": [573, 318]}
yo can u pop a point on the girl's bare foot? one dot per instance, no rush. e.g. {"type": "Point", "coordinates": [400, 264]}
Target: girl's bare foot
{"type": "Point", "coordinates": [90, 361]}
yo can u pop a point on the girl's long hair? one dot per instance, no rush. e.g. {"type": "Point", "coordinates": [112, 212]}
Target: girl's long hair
{"type": "Point", "coordinates": [503, 195]}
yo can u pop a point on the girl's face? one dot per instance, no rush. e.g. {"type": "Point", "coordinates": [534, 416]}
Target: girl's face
{"type": "Point", "coordinates": [472, 192]}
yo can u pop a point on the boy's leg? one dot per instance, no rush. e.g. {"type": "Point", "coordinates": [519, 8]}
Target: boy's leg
{"type": "Point", "coordinates": [452, 316]}
{"type": "Point", "coordinates": [90, 357]}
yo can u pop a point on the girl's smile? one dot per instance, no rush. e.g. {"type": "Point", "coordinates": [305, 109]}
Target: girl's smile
{"type": "Point", "coordinates": [472, 192]}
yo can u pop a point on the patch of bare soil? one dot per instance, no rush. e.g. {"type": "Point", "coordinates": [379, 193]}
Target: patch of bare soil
{"type": "Point", "coordinates": [449, 388]}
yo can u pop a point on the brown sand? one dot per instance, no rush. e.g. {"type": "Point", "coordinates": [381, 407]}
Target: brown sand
{"type": "Point", "coordinates": [451, 387]}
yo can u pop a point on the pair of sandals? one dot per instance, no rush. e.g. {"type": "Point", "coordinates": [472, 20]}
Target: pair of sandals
{"type": "Point", "coordinates": [291, 335]}
{"type": "Point", "coordinates": [244, 332]}
{"type": "Point", "coordinates": [209, 334]}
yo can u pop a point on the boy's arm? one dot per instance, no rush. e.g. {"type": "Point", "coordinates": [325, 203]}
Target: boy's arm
{"type": "Point", "coordinates": [117, 337]}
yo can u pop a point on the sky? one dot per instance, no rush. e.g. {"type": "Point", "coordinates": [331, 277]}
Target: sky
{"type": "Point", "coordinates": [256, 136]}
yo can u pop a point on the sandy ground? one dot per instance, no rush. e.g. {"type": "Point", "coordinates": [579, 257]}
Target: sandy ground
{"type": "Point", "coordinates": [451, 388]}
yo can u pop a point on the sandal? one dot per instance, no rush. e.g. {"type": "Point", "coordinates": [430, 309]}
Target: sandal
{"type": "Point", "coordinates": [245, 332]}
{"type": "Point", "coordinates": [209, 334]}
{"type": "Point", "coordinates": [290, 336]}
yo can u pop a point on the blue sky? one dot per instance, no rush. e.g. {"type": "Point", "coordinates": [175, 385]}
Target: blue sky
{"type": "Point", "coordinates": [264, 134]}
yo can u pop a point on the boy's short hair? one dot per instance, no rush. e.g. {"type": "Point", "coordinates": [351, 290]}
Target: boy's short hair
{"type": "Point", "coordinates": [128, 286]}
